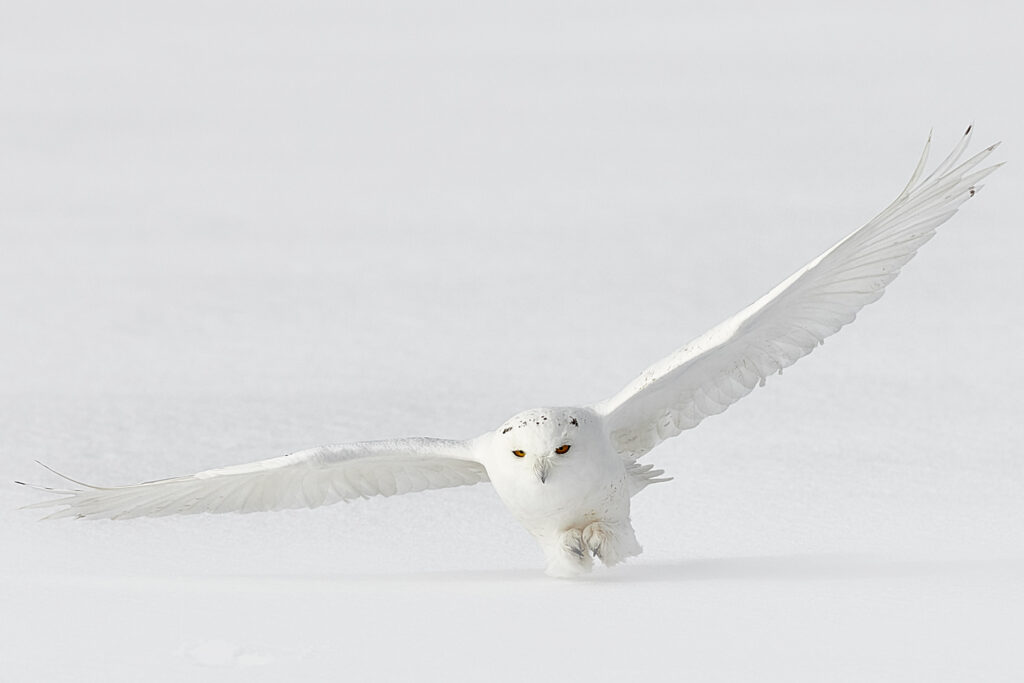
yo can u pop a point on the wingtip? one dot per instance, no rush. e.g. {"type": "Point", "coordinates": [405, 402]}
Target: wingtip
{"type": "Point", "coordinates": [64, 476]}
{"type": "Point", "coordinates": [993, 168]}
{"type": "Point", "coordinates": [969, 127]}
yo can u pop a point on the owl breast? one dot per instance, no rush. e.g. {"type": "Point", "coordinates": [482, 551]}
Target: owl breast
{"type": "Point", "coordinates": [579, 490]}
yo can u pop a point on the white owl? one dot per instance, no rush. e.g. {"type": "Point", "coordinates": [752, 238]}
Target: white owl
{"type": "Point", "coordinates": [568, 474]}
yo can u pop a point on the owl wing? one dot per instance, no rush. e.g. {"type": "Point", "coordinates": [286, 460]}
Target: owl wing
{"type": "Point", "coordinates": [306, 479]}
{"type": "Point", "coordinates": [724, 364]}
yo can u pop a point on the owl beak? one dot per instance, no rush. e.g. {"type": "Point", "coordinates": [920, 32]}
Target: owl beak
{"type": "Point", "coordinates": [542, 468]}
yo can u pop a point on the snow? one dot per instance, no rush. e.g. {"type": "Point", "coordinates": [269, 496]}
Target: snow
{"type": "Point", "coordinates": [230, 231]}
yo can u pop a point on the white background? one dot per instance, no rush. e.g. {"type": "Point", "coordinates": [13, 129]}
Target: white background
{"type": "Point", "coordinates": [229, 231]}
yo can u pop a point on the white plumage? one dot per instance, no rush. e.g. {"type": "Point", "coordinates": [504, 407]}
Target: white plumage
{"type": "Point", "coordinates": [305, 479]}
{"type": "Point", "coordinates": [568, 473]}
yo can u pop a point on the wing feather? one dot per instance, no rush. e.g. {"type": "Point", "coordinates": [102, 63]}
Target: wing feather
{"type": "Point", "coordinates": [726, 363]}
{"type": "Point", "coordinates": [310, 478]}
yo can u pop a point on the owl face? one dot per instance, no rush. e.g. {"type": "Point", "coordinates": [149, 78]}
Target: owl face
{"type": "Point", "coordinates": [536, 440]}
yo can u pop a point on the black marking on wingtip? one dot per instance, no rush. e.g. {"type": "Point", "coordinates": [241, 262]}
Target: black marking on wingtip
{"type": "Point", "coordinates": [968, 131]}
{"type": "Point", "coordinates": [574, 422]}
{"type": "Point", "coordinates": [506, 430]}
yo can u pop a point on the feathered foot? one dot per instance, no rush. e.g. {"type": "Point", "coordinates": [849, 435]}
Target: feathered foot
{"type": "Point", "coordinates": [569, 556]}
{"type": "Point", "coordinates": [611, 543]}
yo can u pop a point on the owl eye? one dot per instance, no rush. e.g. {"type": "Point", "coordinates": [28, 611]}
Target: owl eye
{"type": "Point", "coordinates": [563, 449]}
{"type": "Point", "coordinates": [519, 454]}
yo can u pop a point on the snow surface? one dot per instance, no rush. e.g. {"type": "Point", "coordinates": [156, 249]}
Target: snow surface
{"type": "Point", "coordinates": [234, 230]}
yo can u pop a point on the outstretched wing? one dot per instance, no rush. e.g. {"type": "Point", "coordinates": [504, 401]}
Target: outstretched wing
{"type": "Point", "coordinates": [310, 478]}
{"type": "Point", "coordinates": [725, 364]}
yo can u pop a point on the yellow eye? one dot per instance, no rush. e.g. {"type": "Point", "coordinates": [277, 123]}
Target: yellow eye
{"type": "Point", "coordinates": [519, 454]}
{"type": "Point", "coordinates": [563, 449]}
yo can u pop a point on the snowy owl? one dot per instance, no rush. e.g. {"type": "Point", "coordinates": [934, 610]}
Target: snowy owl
{"type": "Point", "coordinates": [568, 474]}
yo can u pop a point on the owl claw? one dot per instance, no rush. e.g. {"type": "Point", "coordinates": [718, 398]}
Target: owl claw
{"type": "Point", "coordinates": [570, 556]}
{"type": "Point", "coordinates": [574, 543]}
{"type": "Point", "coordinates": [611, 544]}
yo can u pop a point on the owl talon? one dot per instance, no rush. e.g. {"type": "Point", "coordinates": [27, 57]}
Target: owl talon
{"type": "Point", "coordinates": [611, 544]}
{"type": "Point", "coordinates": [574, 543]}
{"type": "Point", "coordinates": [570, 556]}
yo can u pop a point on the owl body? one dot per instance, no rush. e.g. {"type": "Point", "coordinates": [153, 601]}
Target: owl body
{"type": "Point", "coordinates": [574, 502]}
